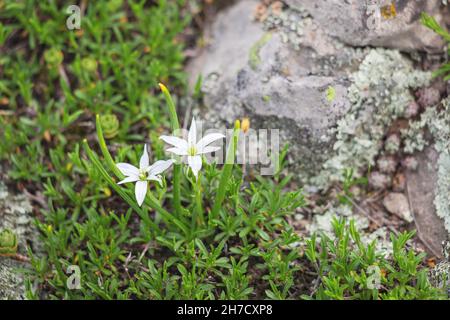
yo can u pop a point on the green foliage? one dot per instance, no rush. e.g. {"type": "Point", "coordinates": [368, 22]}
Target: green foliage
{"type": "Point", "coordinates": [431, 23]}
{"type": "Point", "coordinates": [348, 268]}
{"type": "Point", "coordinates": [161, 261]}
{"type": "Point", "coordinates": [350, 181]}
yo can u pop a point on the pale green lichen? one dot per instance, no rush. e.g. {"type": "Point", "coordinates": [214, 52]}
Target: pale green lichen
{"type": "Point", "coordinates": [379, 94]}
{"type": "Point", "coordinates": [413, 136]}
{"type": "Point", "coordinates": [392, 144]}
{"type": "Point", "coordinates": [290, 22]}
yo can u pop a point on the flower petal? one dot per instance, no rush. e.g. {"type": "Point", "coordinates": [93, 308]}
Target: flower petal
{"type": "Point", "coordinates": [140, 191]}
{"type": "Point", "coordinates": [159, 167]}
{"type": "Point", "coordinates": [155, 178]}
{"type": "Point", "coordinates": [208, 139]}
{"type": "Point", "coordinates": [144, 162]}
{"type": "Point", "coordinates": [192, 136]}
{"type": "Point", "coordinates": [129, 179]}
{"type": "Point", "coordinates": [195, 163]}
{"type": "Point", "coordinates": [208, 150]}
{"type": "Point", "coordinates": [175, 141]}
{"type": "Point", "coordinates": [128, 169]}
{"type": "Point", "coordinates": [178, 151]}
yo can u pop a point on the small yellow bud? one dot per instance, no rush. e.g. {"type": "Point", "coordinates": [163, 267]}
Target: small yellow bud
{"type": "Point", "coordinates": [49, 228]}
{"type": "Point", "coordinates": [237, 125]}
{"type": "Point", "coordinates": [47, 136]}
{"type": "Point", "coordinates": [245, 125]}
{"type": "Point", "coordinates": [107, 192]}
{"type": "Point", "coordinates": [163, 88]}
{"type": "Point", "coordinates": [69, 166]}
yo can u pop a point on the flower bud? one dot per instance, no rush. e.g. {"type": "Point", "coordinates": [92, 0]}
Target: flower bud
{"type": "Point", "coordinates": [245, 125]}
{"type": "Point", "coordinates": [8, 242]}
{"type": "Point", "coordinates": [110, 125]}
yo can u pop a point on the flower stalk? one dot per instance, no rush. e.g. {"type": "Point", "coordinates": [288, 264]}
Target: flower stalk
{"type": "Point", "coordinates": [177, 167]}
{"type": "Point", "coordinates": [198, 216]}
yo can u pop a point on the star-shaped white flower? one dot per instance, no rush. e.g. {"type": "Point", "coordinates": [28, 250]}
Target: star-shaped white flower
{"type": "Point", "coordinates": [144, 174]}
{"type": "Point", "coordinates": [191, 148]}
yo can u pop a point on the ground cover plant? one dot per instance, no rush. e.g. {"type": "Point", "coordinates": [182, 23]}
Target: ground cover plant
{"type": "Point", "coordinates": [87, 117]}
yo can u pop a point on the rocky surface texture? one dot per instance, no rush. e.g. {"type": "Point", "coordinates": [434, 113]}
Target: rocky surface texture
{"type": "Point", "coordinates": [15, 215]}
{"type": "Point", "coordinates": [345, 92]}
{"type": "Point", "coordinates": [377, 23]}
{"type": "Point", "coordinates": [422, 186]}
{"type": "Point", "coordinates": [433, 171]}
{"type": "Point", "coordinates": [252, 70]}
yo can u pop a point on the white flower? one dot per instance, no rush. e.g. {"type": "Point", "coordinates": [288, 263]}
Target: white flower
{"type": "Point", "coordinates": [191, 148]}
{"type": "Point", "coordinates": [144, 174]}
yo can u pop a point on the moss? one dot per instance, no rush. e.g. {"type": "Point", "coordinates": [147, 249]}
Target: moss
{"type": "Point", "coordinates": [266, 98]}
{"type": "Point", "coordinates": [331, 94]}
{"type": "Point", "coordinates": [254, 58]}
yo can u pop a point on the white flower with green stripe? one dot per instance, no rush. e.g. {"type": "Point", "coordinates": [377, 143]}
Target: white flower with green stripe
{"type": "Point", "coordinates": [191, 148]}
{"type": "Point", "coordinates": [143, 174]}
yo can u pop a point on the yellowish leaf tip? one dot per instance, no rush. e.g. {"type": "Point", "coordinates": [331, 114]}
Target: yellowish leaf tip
{"type": "Point", "coordinates": [237, 124]}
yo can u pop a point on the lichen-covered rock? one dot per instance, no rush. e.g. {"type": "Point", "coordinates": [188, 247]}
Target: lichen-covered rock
{"type": "Point", "coordinates": [15, 215]}
{"type": "Point", "coordinates": [379, 94]}
{"type": "Point", "coordinates": [433, 170]}
{"type": "Point", "coordinates": [251, 71]}
{"type": "Point", "coordinates": [332, 103]}
{"type": "Point", "coordinates": [383, 23]}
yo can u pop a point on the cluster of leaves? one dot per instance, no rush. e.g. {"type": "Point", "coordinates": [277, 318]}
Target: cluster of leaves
{"type": "Point", "coordinates": [347, 268]}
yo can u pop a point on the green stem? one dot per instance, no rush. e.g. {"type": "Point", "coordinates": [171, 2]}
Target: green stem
{"type": "Point", "coordinates": [104, 149]}
{"type": "Point", "coordinates": [226, 172]}
{"type": "Point", "coordinates": [198, 203]}
{"type": "Point", "coordinates": [177, 167]}
{"type": "Point", "coordinates": [167, 217]}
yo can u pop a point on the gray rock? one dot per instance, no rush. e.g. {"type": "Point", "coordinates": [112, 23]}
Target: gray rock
{"type": "Point", "coordinates": [251, 72]}
{"type": "Point", "coordinates": [421, 186]}
{"type": "Point", "coordinates": [353, 22]}
{"type": "Point", "coordinates": [397, 203]}
{"type": "Point", "coordinates": [332, 103]}
{"type": "Point", "coordinates": [16, 215]}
